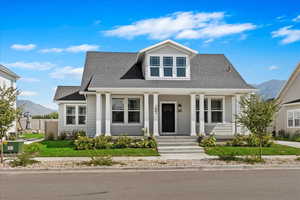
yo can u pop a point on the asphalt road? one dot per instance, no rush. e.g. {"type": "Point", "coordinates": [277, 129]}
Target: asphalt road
{"type": "Point", "coordinates": [200, 185]}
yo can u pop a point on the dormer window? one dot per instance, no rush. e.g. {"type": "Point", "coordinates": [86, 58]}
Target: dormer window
{"type": "Point", "coordinates": [154, 65]}
{"type": "Point", "coordinates": [168, 66]}
{"type": "Point", "coordinates": [181, 66]}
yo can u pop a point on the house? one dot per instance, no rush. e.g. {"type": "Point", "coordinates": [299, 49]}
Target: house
{"type": "Point", "coordinates": [164, 89]}
{"type": "Point", "coordinates": [288, 117]}
{"type": "Point", "coordinates": [8, 79]}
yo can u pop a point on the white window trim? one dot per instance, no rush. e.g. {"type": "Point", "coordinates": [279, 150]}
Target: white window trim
{"type": "Point", "coordinates": [126, 111]}
{"type": "Point", "coordinates": [76, 115]}
{"type": "Point", "coordinates": [209, 98]}
{"type": "Point", "coordinates": [161, 68]}
{"type": "Point", "coordinates": [287, 118]}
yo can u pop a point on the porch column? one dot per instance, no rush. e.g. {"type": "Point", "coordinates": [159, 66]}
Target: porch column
{"type": "Point", "coordinates": [107, 114]}
{"type": "Point", "coordinates": [98, 114]}
{"type": "Point", "coordinates": [155, 115]}
{"type": "Point", "coordinates": [233, 118]}
{"type": "Point", "coordinates": [193, 115]}
{"type": "Point", "coordinates": [201, 114]}
{"type": "Point", "coordinates": [146, 113]}
{"type": "Point", "coordinates": [238, 111]}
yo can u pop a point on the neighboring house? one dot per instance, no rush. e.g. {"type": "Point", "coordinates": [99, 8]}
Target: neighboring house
{"type": "Point", "coordinates": [167, 89]}
{"type": "Point", "coordinates": [8, 79]}
{"type": "Point", "coordinates": [288, 117]}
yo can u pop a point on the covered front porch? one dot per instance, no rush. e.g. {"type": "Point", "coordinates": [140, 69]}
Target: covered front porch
{"type": "Point", "coordinates": [163, 114]}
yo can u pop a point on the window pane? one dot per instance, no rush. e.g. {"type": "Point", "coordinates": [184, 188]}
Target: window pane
{"type": "Point", "coordinates": [118, 117]}
{"type": "Point", "coordinates": [70, 110]}
{"type": "Point", "coordinates": [216, 117]}
{"type": "Point", "coordinates": [117, 104]}
{"type": "Point", "coordinates": [70, 120]}
{"type": "Point", "coordinates": [297, 122]}
{"type": "Point", "coordinates": [81, 119]}
{"type": "Point", "coordinates": [180, 61]}
{"type": "Point", "coordinates": [216, 104]}
{"type": "Point", "coordinates": [154, 71]}
{"type": "Point", "coordinates": [290, 115]}
{"type": "Point", "coordinates": [168, 61]}
{"type": "Point", "coordinates": [290, 123]}
{"type": "Point", "coordinates": [133, 104]}
{"type": "Point", "coordinates": [205, 104]}
{"type": "Point", "coordinates": [154, 61]}
{"type": "Point", "coordinates": [133, 117]}
{"type": "Point", "coordinates": [205, 117]}
{"type": "Point", "coordinates": [181, 72]}
{"type": "Point", "coordinates": [81, 110]}
{"type": "Point", "coordinates": [168, 72]}
{"type": "Point", "coordinates": [197, 104]}
{"type": "Point", "coordinates": [197, 116]}
{"type": "Point", "coordinates": [297, 114]}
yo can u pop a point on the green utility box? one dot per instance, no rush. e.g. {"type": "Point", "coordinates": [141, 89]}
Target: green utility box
{"type": "Point", "coordinates": [13, 146]}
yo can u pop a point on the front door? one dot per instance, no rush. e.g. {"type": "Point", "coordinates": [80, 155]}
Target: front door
{"type": "Point", "coordinates": [168, 117]}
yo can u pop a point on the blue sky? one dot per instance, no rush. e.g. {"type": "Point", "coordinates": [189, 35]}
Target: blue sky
{"type": "Point", "coordinates": [45, 41]}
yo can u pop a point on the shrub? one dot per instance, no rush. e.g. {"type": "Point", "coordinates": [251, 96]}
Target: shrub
{"type": "Point", "coordinates": [23, 160]}
{"type": "Point", "coordinates": [103, 142]}
{"type": "Point", "coordinates": [84, 143]}
{"type": "Point", "coordinates": [239, 140]}
{"type": "Point", "coordinates": [32, 148]}
{"type": "Point", "coordinates": [267, 140]}
{"type": "Point", "coordinates": [209, 142]}
{"type": "Point", "coordinates": [123, 142]}
{"type": "Point", "coordinates": [250, 141]}
{"type": "Point", "coordinates": [100, 161]}
{"type": "Point", "coordinates": [296, 136]}
{"type": "Point", "coordinates": [77, 134]}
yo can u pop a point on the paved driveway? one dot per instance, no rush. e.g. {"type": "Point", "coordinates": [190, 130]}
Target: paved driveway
{"type": "Point", "coordinates": [288, 143]}
{"type": "Point", "coordinates": [188, 185]}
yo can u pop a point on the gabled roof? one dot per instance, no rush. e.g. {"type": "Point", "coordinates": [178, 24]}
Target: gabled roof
{"type": "Point", "coordinates": [9, 72]}
{"type": "Point", "coordinates": [288, 83]}
{"type": "Point", "coordinates": [68, 93]}
{"type": "Point", "coordinates": [294, 101]}
{"type": "Point", "coordinates": [109, 70]}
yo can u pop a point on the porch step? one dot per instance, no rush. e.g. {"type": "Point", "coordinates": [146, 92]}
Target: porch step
{"type": "Point", "coordinates": [177, 143]}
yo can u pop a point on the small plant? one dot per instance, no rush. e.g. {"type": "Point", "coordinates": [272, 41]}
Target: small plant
{"type": "Point", "coordinates": [77, 134]}
{"type": "Point", "coordinates": [84, 143]}
{"type": "Point", "coordinates": [123, 142]}
{"type": "Point", "coordinates": [32, 148]}
{"type": "Point", "coordinates": [103, 142]}
{"type": "Point", "coordinates": [100, 161]}
{"type": "Point", "coordinates": [23, 160]}
{"type": "Point", "coordinates": [209, 142]}
{"type": "Point", "coordinates": [253, 159]}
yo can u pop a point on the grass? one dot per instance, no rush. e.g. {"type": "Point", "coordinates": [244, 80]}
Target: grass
{"type": "Point", "coordinates": [65, 148]}
{"type": "Point", "coordinates": [32, 136]}
{"type": "Point", "coordinates": [275, 149]}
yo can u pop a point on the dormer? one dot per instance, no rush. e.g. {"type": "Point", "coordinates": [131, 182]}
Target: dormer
{"type": "Point", "coordinates": [167, 60]}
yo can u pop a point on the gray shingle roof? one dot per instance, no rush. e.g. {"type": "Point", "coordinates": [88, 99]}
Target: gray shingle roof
{"type": "Point", "coordinates": [65, 93]}
{"type": "Point", "coordinates": [107, 69]}
{"type": "Point", "coordinates": [8, 71]}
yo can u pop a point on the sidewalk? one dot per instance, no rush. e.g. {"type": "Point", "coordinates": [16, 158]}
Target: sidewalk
{"type": "Point", "coordinates": [288, 143]}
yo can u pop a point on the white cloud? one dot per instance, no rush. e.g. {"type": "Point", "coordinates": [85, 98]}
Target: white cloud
{"type": "Point", "coordinates": [67, 71]}
{"type": "Point", "coordinates": [23, 47]}
{"type": "Point", "coordinates": [289, 35]}
{"type": "Point", "coordinates": [297, 19]}
{"type": "Point", "coordinates": [273, 67]}
{"type": "Point", "coordinates": [185, 25]}
{"type": "Point", "coordinates": [30, 80]}
{"type": "Point", "coordinates": [28, 93]}
{"type": "Point", "coordinates": [32, 65]}
{"type": "Point", "coordinates": [72, 49]}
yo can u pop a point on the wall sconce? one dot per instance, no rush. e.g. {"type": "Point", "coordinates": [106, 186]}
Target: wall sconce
{"type": "Point", "coordinates": [179, 108]}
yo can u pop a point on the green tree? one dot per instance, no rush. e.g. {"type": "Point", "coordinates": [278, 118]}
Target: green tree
{"type": "Point", "coordinates": [257, 115]}
{"type": "Point", "coordinates": [8, 112]}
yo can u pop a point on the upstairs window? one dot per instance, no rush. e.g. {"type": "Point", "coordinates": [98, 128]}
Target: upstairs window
{"type": "Point", "coordinates": [168, 65]}
{"type": "Point", "coordinates": [154, 65]}
{"type": "Point", "coordinates": [181, 66]}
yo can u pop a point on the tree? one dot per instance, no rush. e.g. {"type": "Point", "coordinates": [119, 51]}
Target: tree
{"type": "Point", "coordinates": [257, 115]}
{"type": "Point", "coordinates": [8, 112]}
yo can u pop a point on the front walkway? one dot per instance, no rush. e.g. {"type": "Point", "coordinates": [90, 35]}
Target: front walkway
{"type": "Point", "coordinates": [288, 143]}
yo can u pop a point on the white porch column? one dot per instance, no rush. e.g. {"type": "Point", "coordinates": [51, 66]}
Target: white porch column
{"type": "Point", "coordinates": [238, 111]}
{"type": "Point", "coordinates": [155, 115]}
{"type": "Point", "coordinates": [98, 114]}
{"type": "Point", "coordinates": [193, 115]}
{"type": "Point", "coordinates": [233, 119]}
{"type": "Point", "coordinates": [107, 113]}
{"type": "Point", "coordinates": [146, 113]}
{"type": "Point", "coordinates": [201, 114]}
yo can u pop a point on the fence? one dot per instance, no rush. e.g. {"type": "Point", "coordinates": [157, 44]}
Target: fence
{"type": "Point", "coordinates": [38, 125]}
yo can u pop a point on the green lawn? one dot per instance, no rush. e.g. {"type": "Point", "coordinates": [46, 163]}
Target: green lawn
{"type": "Point", "coordinates": [65, 148]}
{"type": "Point", "coordinates": [275, 149]}
{"type": "Point", "coordinates": [32, 136]}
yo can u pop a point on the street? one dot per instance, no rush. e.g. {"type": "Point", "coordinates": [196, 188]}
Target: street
{"type": "Point", "coordinates": [206, 185]}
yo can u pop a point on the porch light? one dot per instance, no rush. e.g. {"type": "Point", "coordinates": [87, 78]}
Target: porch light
{"type": "Point", "coordinates": [179, 108]}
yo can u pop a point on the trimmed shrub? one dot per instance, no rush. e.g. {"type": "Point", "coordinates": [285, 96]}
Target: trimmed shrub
{"type": "Point", "coordinates": [209, 142]}
{"type": "Point", "coordinates": [100, 161]}
{"type": "Point", "coordinates": [123, 142]}
{"type": "Point", "coordinates": [32, 148]}
{"type": "Point", "coordinates": [250, 141]}
{"type": "Point", "coordinates": [84, 143]}
{"type": "Point", "coordinates": [103, 142]}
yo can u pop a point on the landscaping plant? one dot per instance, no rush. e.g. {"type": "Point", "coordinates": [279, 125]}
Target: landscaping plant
{"type": "Point", "coordinates": [26, 158]}
{"type": "Point", "coordinates": [100, 161]}
{"type": "Point", "coordinates": [257, 115]}
{"type": "Point", "coordinates": [208, 142]}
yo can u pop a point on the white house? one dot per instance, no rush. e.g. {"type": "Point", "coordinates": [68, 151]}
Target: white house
{"type": "Point", "coordinates": [167, 89]}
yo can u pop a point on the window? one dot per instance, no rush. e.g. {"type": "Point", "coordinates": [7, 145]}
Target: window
{"type": "Point", "coordinates": [154, 65]}
{"type": "Point", "coordinates": [134, 110]}
{"type": "Point", "coordinates": [168, 65]}
{"type": "Point", "coordinates": [117, 110]}
{"type": "Point", "coordinates": [70, 115]}
{"type": "Point", "coordinates": [215, 110]}
{"type": "Point", "coordinates": [293, 118]}
{"type": "Point", "coordinates": [181, 66]}
{"type": "Point", "coordinates": [81, 115]}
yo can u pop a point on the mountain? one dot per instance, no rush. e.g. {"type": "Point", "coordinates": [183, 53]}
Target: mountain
{"type": "Point", "coordinates": [269, 89]}
{"type": "Point", "coordinates": [34, 108]}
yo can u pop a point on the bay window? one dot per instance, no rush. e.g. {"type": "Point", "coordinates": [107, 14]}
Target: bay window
{"type": "Point", "coordinates": [293, 118]}
{"type": "Point", "coordinates": [126, 110]}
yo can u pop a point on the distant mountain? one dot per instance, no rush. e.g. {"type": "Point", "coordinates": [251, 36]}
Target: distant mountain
{"type": "Point", "coordinates": [34, 108]}
{"type": "Point", "coordinates": [269, 89]}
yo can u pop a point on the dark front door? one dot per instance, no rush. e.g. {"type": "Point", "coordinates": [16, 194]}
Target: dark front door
{"type": "Point", "coordinates": [168, 117]}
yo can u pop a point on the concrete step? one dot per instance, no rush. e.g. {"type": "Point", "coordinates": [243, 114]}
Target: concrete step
{"type": "Point", "coordinates": [177, 143]}
{"type": "Point", "coordinates": [176, 140]}
{"type": "Point", "coordinates": [177, 137]}
{"type": "Point", "coordinates": [187, 151]}
{"type": "Point", "coordinates": [178, 148]}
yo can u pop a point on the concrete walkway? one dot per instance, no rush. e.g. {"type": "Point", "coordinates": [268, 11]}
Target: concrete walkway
{"type": "Point", "coordinates": [288, 143]}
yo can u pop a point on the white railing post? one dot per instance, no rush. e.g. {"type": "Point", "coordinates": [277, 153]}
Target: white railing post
{"type": "Point", "coordinates": [155, 115]}
{"type": "Point", "coordinates": [98, 114]}
{"type": "Point", "coordinates": [107, 114]}
{"type": "Point", "coordinates": [146, 113]}
{"type": "Point", "coordinates": [193, 114]}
